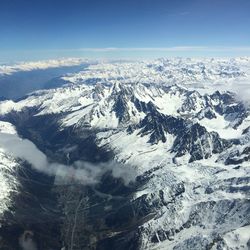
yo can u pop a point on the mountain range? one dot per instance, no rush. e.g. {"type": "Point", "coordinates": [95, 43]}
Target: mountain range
{"type": "Point", "coordinates": [129, 155]}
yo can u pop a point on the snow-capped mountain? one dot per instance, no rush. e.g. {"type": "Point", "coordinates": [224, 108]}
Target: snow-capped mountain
{"type": "Point", "coordinates": [181, 127]}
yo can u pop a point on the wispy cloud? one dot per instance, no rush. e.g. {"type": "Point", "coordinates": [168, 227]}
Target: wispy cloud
{"type": "Point", "coordinates": [44, 64]}
{"type": "Point", "coordinates": [80, 171]}
{"type": "Point", "coordinates": [131, 49]}
{"type": "Point", "coordinates": [184, 13]}
{"type": "Point", "coordinates": [171, 49]}
{"type": "Point", "coordinates": [114, 49]}
{"type": "Point", "coordinates": [131, 52]}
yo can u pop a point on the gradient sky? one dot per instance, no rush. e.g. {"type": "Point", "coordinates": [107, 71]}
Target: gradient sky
{"type": "Point", "coordinates": [39, 29]}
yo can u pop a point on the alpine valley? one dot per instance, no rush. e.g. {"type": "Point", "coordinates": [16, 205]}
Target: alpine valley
{"type": "Point", "coordinates": [128, 155]}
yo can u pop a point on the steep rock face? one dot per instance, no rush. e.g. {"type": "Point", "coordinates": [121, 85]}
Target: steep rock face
{"type": "Point", "coordinates": [190, 139]}
{"type": "Point", "coordinates": [199, 143]}
{"type": "Point", "coordinates": [120, 108]}
{"type": "Point", "coordinates": [228, 106]}
{"type": "Point", "coordinates": [10, 184]}
{"type": "Point", "coordinates": [238, 156]}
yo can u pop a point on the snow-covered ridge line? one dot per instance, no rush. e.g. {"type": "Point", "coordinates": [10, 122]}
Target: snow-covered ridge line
{"type": "Point", "coordinates": [184, 71]}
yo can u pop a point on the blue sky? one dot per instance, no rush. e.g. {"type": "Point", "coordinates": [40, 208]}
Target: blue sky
{"type": "Point", "coordinates": [41, 29]}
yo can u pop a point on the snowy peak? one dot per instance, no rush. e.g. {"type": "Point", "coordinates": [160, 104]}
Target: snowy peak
{"type": "Point", "coordinates": [154, 111]}
{"type": "Point", "coordinates": [185, 71]}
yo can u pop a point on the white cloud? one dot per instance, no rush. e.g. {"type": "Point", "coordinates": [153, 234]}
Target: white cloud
{"type": "Point", "coordinates": [45, 64]}
{"type": "Point", "coordinates": [242, 89]}
{"type": "Point", "coordinates": [80, 171]}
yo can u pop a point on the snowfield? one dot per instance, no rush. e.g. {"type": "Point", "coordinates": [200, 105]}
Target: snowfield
{"type": "Point", "coordinates": [8, 165]}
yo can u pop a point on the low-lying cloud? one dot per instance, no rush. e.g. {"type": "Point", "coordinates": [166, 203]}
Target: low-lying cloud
{"type": "Point", "coordinates": [84, 172]}
{"type": "Point", "coordinates": [45, 64]}
{"type": "Point", "coordinates": [243, 93]}
{"type": "Point", "coordinates": [241, 88]}
{"type": "Point", "coordinates": [27, 242]}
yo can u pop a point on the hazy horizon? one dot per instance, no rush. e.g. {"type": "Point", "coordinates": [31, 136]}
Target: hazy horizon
{"type": "Point", "coordinates": [36, 30]}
